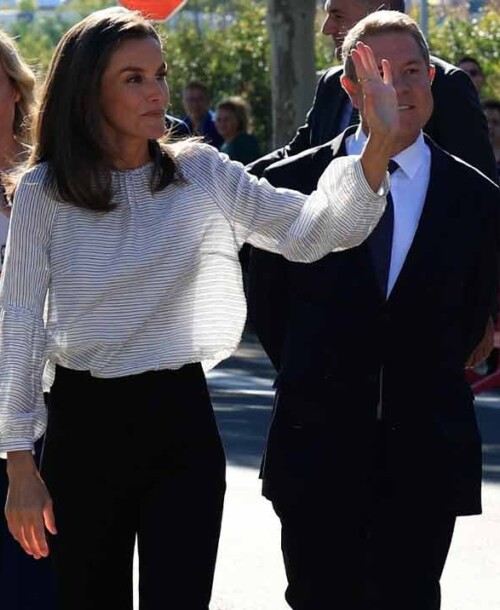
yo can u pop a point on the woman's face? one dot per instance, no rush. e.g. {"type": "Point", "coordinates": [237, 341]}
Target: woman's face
{"type": "Point", "coordinates": [9, 96]}
{"type": "Point", "coordinates": [226, 123]}
{"type": "Point", "coordinates": [134, 94]}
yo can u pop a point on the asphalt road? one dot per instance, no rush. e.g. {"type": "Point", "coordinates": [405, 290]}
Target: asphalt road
{"type": "Point", "coordinates": [250, 574]}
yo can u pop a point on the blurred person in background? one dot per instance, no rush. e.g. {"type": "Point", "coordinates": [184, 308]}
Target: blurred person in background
{"type": "Point", "coordinates": [492, 111]}
{"type": "Point", "coordinates": [25, 584]}
{"type": "Point", "coordinates": [472, 67]}
{"type": "Point", "coordinates": [199, 118]}
{"type": "Point", "coordinates": [232, 120]}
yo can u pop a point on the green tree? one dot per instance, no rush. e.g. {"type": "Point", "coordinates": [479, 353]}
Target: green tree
{"type": "Point", "coordinates": [454, 33]}
{"type": "Point", "coordinates": [37, 38]}
{"type": "Point", "coordinates": [230, 60]}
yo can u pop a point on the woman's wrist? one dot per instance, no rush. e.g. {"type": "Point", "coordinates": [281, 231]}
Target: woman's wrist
{"type": "Point", "coordinates": [20, 462]}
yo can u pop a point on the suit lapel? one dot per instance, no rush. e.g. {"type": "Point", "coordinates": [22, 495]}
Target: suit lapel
{"type": "Point", "coordinates": [433, 221]}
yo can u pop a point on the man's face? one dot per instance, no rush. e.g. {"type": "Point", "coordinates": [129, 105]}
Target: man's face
{"type": "Point", "coordinates": [412, 79]}
{"type": "Point", "coordinates": [341, 15]}
{"type": "Point", "coordinates": [474, 71]}
{"type": "Point", "coordinates": [493, 118]}
{"type": "Point", "coordinates": [195, 102]}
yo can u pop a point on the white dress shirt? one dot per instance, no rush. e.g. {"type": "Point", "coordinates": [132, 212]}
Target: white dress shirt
{"type": "Point", "coordinates": [409, 186]}
{"type": "Point", "coordinates": [155, 283]}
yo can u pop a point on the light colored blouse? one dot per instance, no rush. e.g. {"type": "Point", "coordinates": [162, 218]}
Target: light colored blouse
{"type": "Point", "coordinates": [156, 282]}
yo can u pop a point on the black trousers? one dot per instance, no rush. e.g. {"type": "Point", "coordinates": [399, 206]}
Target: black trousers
{"type": "Point", "coordinates": [379, 549]}
{"type": "Point", "coordinates": [134, 456]}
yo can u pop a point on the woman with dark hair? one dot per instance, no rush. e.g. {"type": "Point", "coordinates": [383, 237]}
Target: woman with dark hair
{"type": "Point", "coordinates": [232, 120]}
{"type": "Point", "coordinates": [121, 279]}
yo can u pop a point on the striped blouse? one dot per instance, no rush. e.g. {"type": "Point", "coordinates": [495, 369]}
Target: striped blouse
{"type": "Point", "coordinates": [156, 282]}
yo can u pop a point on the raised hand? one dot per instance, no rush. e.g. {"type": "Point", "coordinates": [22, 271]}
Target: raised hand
{"type": "Point", "coordinates": [380, 102]}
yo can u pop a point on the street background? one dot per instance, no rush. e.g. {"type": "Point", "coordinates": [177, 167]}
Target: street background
{"type": "Point", "coordinates": [250, 573]}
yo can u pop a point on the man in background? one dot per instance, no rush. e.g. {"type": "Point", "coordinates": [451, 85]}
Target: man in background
{"type": "Point", "coordinates": [471, 66]}
{"type": "Point", "coordinates": [492, 112]}
{"type": "Point", "coordinates": [199, 118]}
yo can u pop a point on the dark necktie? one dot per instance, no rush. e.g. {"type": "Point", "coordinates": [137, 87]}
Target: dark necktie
{"type": "Point", "coordinates": [380, 240]}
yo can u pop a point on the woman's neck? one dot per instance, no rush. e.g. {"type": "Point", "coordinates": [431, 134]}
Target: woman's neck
{"type": "Point", "coordinates": [131, 157]}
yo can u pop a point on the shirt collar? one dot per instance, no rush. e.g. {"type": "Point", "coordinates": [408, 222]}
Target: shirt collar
{"type": "Point", "coordinates": [409, 160]}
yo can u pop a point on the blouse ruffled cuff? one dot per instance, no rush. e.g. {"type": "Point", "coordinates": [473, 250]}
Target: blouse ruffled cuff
{"type": "Point", "coordinates": [22, 409]}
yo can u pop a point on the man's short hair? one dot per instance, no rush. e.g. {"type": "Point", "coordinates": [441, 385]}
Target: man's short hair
{"type": "Point", "coordinates": [396, 5]}
{"type": "Point", "coordinates": [195, 84]}
{"type": "Point", "coordinates": [375, 24]}
{"type": "Point", "coordinates": [491, 105]}
{"type": "Point", "coordinates": [380, 5]}
{"type": "Point", "coordinates": [471, 60]}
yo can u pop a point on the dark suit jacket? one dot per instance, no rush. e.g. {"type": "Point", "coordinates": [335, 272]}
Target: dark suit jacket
{"type": "Point", "coordinates": [457, 124]}
{"type": "Point", "coordinates": [338, 346]}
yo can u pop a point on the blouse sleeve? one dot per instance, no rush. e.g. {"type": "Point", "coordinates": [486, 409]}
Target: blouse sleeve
{"type": "Point", "coordinates": [23, 289]}
{"type": "Point", "coordinates": [340, 214]}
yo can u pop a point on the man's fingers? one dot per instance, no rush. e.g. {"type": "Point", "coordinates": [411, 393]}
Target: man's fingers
{"type": "Point", "coordinates": [387, 72]}
{"type": "Point", "coordinates": [366, 66]}
{"type": "Point", "coordinates": [358, 65]}
{"type": "Point", "coordinates": [371, 64]}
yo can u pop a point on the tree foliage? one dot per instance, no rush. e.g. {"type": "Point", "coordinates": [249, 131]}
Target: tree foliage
{"type": "Point", "coordinates": [231, 60]}
{"type": "Point", "coordinates": [453, 33]}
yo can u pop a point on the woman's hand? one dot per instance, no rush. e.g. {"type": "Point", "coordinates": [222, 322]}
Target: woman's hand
{"type": "Point", "coordinates": [380, 101]}
{"type": "Point", "coordinates": [29, 508]}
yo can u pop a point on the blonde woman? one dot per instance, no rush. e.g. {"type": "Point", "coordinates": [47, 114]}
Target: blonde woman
{"type": "Point", "coordinates": [25, 584]}
{"type": "Point", "coordinates": [17, 99]}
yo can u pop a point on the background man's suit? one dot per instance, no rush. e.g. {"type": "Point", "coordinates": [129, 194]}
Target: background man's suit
{"type": "Point", "coordinates": [457, 124]}
{"type": "Point", "coordinates": [339, 348]}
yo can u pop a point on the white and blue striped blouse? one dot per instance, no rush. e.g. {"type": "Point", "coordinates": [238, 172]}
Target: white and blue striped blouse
{"type": "Point", "coordinates": [155, 283]}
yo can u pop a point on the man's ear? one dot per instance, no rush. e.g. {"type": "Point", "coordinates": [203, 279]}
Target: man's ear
{"type": "Point", "coordinates": [351, 89]}
{"type": "Point", "coordinates": [432, 72]}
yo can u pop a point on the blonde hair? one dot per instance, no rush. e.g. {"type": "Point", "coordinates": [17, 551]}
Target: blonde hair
{"type": "Point", "coordinates": [23, 80]}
